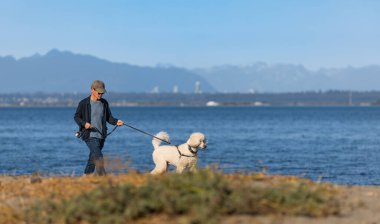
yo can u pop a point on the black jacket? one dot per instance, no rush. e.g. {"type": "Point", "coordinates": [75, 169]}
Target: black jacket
{"type": "Point", "coordinates": [83, 115]}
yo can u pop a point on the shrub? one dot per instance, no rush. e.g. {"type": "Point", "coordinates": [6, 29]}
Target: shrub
{"type": "Point", "coordinates": [202, 197]}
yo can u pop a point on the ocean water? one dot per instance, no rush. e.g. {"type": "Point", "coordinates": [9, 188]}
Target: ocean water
{"type": "Point", "coordinates": [332, 144]}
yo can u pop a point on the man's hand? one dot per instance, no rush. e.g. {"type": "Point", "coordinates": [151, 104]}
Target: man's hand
{"type": "Point", "coordinates": [87, 125]}
{"type": "Point", "coordinates": [119, 123]}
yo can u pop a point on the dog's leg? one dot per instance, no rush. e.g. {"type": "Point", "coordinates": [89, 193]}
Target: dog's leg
{"type": "Point", "coordinates": [161, 166]}
{"type": "Point", "coordinates": [158, 170]}
{"type": "Point", "coordinates": [179, 169]}
{"type": "Point", "coordinates": [193, 168]}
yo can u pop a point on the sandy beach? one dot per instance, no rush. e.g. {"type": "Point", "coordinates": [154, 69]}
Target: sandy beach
{"type": "Point", "coordinates": [358, 204]}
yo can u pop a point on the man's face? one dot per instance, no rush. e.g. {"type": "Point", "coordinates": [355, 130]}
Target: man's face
{"type": "Point", "coordinates": [96, 95]}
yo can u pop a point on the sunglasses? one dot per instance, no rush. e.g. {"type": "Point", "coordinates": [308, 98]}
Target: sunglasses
{"type": "Point", "coordinates": [98, 92]}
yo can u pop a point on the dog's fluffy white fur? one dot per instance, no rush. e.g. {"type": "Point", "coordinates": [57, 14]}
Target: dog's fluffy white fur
{"type": "Point", "coordinates": [180, 156]}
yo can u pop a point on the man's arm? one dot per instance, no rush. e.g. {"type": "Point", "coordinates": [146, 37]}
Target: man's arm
{"type": "Point", "coordinates": [78, 116]}
{"type": "Point", "coordinates": [112, 120]}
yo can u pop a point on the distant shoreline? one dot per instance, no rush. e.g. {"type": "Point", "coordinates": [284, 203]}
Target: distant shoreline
{"type": "Point", "coordinates": [196, 106]}
{"type": "Point", "coordinates": [300, 99]}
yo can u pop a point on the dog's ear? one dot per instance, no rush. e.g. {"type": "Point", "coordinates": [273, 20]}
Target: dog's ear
{"type": "Point", "coordinates": [194, 140]}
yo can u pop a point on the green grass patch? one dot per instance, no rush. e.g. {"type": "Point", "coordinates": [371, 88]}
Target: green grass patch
{"type": "Point", "coordinates": [202, 197]}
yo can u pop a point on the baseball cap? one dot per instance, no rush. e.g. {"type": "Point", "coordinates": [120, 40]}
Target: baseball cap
{"type": "Point", "coordinates": [99, 86]}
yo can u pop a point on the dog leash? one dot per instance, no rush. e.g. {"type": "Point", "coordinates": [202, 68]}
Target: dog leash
{"type": "Point", "coordinates": [146, 133]}
{"type": "Point", "coordinates": [106, 134]}
{"type": "Point", "coordinates": [79, 134]}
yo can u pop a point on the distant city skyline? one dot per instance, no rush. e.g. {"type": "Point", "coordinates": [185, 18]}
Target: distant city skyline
{"type": "Point", "coordinates": [197, 33]}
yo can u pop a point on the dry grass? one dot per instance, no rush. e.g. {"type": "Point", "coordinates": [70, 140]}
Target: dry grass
{"type": "Point", "coordinates": [203, 197]}
{"type": "Point", "coordinates": [20, 192]}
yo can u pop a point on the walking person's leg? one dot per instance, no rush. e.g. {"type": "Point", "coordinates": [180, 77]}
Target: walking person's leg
{"type": "Point", "coordinates": [99, 161]}
{"type": "Point", "coordinates": [90, 167]}
{"type": "Point", "coordinates": [95, 158]}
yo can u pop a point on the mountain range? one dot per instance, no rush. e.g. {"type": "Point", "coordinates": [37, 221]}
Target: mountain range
{"type": "Point", "coordinates": [64, 71]}
{"type": "Point", "coordinates": [262, 77]}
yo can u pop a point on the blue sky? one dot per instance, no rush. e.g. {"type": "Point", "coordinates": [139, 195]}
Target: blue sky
{"type": "Point", "coordinates": [197, 33]}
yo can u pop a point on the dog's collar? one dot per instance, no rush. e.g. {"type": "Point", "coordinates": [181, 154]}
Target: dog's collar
{"type": "Point", "coordinates": [190, 149]}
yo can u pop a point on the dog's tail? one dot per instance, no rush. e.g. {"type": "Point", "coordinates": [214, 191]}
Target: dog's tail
{"type": "Point", "coordinates": [162, 135]}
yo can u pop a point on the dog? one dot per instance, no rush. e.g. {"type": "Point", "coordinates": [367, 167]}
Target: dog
{"type": "Point", "coordinates": [183, 156]}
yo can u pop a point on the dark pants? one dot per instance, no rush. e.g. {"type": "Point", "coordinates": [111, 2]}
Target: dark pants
{"type": "Point", "coordinates": [95, 159]}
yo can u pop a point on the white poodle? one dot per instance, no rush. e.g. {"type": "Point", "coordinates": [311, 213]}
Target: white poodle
{"type": "Point", "coordinates": [182, 156]}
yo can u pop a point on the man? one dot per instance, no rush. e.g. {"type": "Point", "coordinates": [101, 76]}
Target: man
{"type": "Point", "coordinates": [92, 114]}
